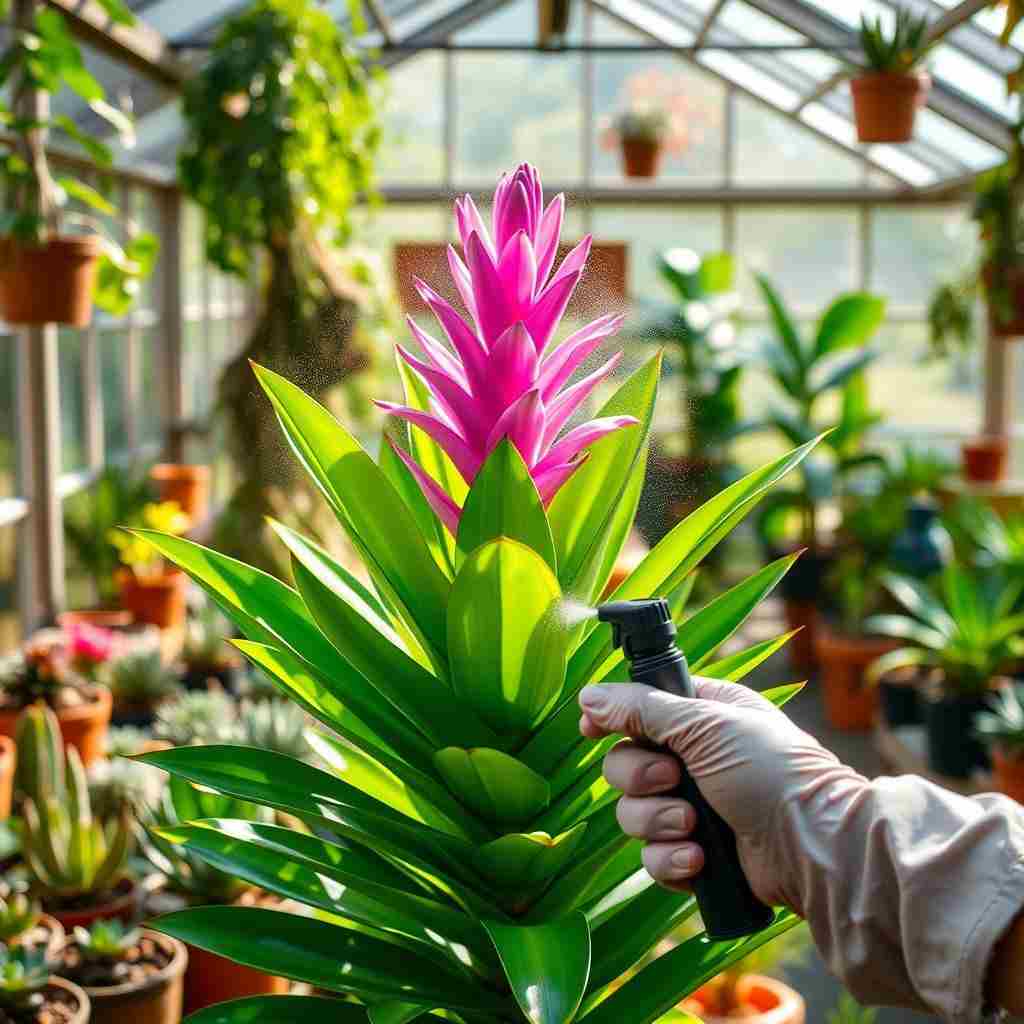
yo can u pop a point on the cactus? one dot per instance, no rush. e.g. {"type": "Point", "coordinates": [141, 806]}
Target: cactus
{"type": "Point", "coordinates": [274, 725]}
{"type": "Point", "coordinates": [68, 853]}
{"type": "Point", "coordinates": [140, 677]}
{"type": "Point", "coordinates": [24, 974]}
{"type": "Point", "coordinates": [198, 717]}
{"type": "Point", "coordinates": [18, 914]}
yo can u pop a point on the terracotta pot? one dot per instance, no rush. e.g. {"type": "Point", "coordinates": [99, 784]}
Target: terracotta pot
{"type": "Point", "coordinates": [189, 486]}
{"type": "Point", "coordinates": [213, 979]}
{"type": "Point", "coordinates": [83, 727]}
{"type": "Point", "coordinates": [850, 704]}
{"type": "Point", "coordinates": [762, 1000]}
{"type": "Point", "coordinates": [157, 600]}
{"type": "Point", "coordinates": [49, 283]}
{"type": "Point", "coordinates": [985, 459]}
{"type": "Point", "coordinates": [8, 759]}
{"type": "Point", "coordinates": [70, 989]}
{"type": "Point", "coordinates": [805, 617]}
{"type": "Point", "coordinates": [157, 1001]}
{"type": "Point", "coordinates": [885, 104]}
{"type": "Point", "coordinates": [641, 158]}
{"type": "Point", "coordinates": [1008, 774]}
{"type": "Point", "coordinates": [1005, 310]}
{"type": "Point", "coordinates": [122, 906]}
{"type": "Point", "coordinates": [101, 618]}
{"type": "Point", "coordinates": [48, 933]}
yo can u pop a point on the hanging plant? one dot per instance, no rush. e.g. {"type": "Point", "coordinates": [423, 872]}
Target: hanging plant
{"type": "Point", "coordinates": [282, 132]}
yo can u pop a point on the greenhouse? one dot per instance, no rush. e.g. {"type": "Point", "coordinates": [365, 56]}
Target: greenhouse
{"type": "Point", "coordinates": [511, 510]}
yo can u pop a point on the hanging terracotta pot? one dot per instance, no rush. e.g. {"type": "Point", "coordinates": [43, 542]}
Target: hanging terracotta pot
{"type": "Point", "coordinates": [850, 704]}
{"type": "Point", "coordinates": [1004, 294]}
{"type": "Point", "coordinates": [189, 486]}
{"type": "Point", "coordinates": [82, 726]}
{"type": "Point", "coordinates": [641, 158]}
{"type": "Point", "coordinates": [49, 283]}
{"type": "Point", "coordinates": [985, 458]}
{"type": "Point", "coordinates": [7, 763]}
{"type": "Point", "coordinates": [1008, 773]}
{"type": "Point", "coordinates": [885, 104]}
{"type": "Point", "coordinates": [759, 999]}
{"type": "Point", "coordinates": [156, 600]}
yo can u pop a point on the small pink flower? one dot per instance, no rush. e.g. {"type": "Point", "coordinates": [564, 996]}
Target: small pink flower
{"type": "Point", "coordinates": [88, 644]}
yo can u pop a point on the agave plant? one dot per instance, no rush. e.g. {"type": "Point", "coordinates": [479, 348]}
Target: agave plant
{"type": "Point", "coordinates": [140, 677]}
{"type": "Point", "coordinates": [900, 49]}
{"type": "Point", "coordinates": [463, 852]}
{"type": "Point", "coordinates": [996, 542]}
{"type": "Point", "coordinates": [19, 913]}
{"type": "Point", "coordinates": [198, 716]}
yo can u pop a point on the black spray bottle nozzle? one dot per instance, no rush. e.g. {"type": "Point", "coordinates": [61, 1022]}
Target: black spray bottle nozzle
{"type": "Point", "coordinates": [640, 628]}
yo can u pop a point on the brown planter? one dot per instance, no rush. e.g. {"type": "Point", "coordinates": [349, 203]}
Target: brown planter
{"type": "Point", "coordinates": [69, 994]}
{"type": "Point", "coordinates": [101, 618]}
{"type": "Point", "coordinates": [49, 283]}
{"type": "Point", "coordinates": [48, 933]}
{"type": "Point", "coordinates": [189, 486]}
{"type": "Point", "coordinates": [985, 458]}
{"type": "Point", "coordinates": [213, 979]}
{"type": "Point", "coordinates": [1005, 312]}
{"type": "Point", "coordinates": [157, 1001]}
{"type": "Point", "coordinates": [885, 104]}
{"type": "Point", "coordinates": [850, 704]}
{"type": "Point", "coordinates": [804, 616]}
{"type": "Point", "coordinates": [122, 906]}
{"type": "Point", "coordinates": [8, 759]}
{"type": "Point", "coordinates": [1008, 774]}
{"type": "Point", "coordinates": [158, 600]}
{"type": "Point", "coordinates": [761, 1000]}
{"type": "Point", "coordinates": [641, 158]}
{"type": "Point", "coordinates": [83, 727]}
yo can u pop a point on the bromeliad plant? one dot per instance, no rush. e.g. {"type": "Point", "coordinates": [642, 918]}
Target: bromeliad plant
{"type": "Point", "coordinates": [463, 851]}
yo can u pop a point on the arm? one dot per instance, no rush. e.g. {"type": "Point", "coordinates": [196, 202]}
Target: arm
{"type": "Point", "coordinates": [908, 889]}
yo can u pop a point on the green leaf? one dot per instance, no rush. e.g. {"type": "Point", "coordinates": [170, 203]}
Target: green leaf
{"type": "Point", "coordinates": [583, 508]}
{"type": "Point", "coordinates": [717, 272]}
{"type": "Point", "coordinates": [547, 965]}
{"type": "Point", "coordinates": [493, 785]}
{"type": "Point", "coordinates": [734, 667]}
{"type": "Point", "coordinates": [835, 372]}
{"type": "Point", "coordinates": [849, 323]}
{"type": "Point", "coordinates": [503, 502]}
{"type": "Point", "coordinates": [520, 863]}
{"type": "Point", "coordinates": [324, 955]}
{"type": "Point", "coordinates": [506, 644]}
{"type": "Point", "coordinates": [779, 695]}
{"type": "Point", "coordinates": [785, 329]}
{"type": "Point", "coordinates": [97, 151]}
{"type": "Point", "coordinates": [88, 195]}
{"type": "Point", "coordinates": [394, 1012]}
{"type": "Point", "coordinates": [280, 1010]}
{"type": "Point", "coordinates": [117, 11]}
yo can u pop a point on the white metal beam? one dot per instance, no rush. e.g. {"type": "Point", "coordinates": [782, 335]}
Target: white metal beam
{"type": "Point", "coordinates": [706, 25]}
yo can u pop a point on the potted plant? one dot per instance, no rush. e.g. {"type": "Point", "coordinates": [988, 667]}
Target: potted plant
{"type": "Point", "coordinates": [88, 648]}
{"type": "Point", "coordinates": [197, 716]}
{"type": "Point", "coordinates": [951, 328]}
{"type": "Point", "coordinates": [205, 656]}
{"type": "Point", "coordinates": [131, 975]}
{"type": "Point", "coordinates": [23, 923]}
{"type": "Point", "coordinates": [150, 589]}
{"type": "Point", "coordinates": [440, 889]}
{"type": "Point", "coordinates": [76, 863]}
{"type": "Point", "coordinates": [188, 486]}
{"type": "Point", "coordinates": [707, 362]}
{"type": "Point", "coordinates": [29, 994]}
{"type": "Point", "coordinates": [808, 370]}
{"type": "Point", "coordinates": [1001, 728]}
{"type": "Point", "coordinates": [887, 96]}
{"type": "Point", "coordinates": [46, 275]}
{"type": "Point", "coordinates": [139, 680]}
{"type": "Point", "coordinates": [8, 760]}
{"type": "Point", "coordinates": [969, 634]}
{"type": "Point", "coordinates": [998, 197]}
{"type": "Point", "coordinates": [196, 881]}
{"type": "Point", "coordinates": [40, 672]}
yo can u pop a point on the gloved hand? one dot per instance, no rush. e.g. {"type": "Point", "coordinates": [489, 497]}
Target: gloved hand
{"type": "Point", "coordinates": [907, 887]}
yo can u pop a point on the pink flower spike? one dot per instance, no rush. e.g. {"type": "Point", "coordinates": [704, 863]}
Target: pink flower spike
{"type": "Point", "coordinates": [438, 355]}
{"type": "Point", "coordinates": [574, 261]}
{"type": "Point", "coordinates": [455, 400]}
{"type": "Point", "coordinates": [491, 304]}
{"type": "Point", "coordinates": [513, 368]}
{"type": "Point", "coordinates": [582, 436]}
{"type": "Point", "coordinates": [523, 424]}
{"type": "Point", "coordinates": [469, 220]}
{"type": "Point", "coordinates": [463, 282]}
{"type": "Point", "coordinates": [572, 398]}
{"type": "Point", "coordinates": [549, 481]}
{"type": "Point", "coordinates": [548, 233]}
{"type": "Point", "coordinates": [518, 273]}
{"type": "Point", "coordinates": [459, 451]}
{"type": "Point", "coordinates": [512, 215]}
{"type": "Point", "coordinates": [560, 364]}
{"type": "Point", "coordinates": [463, 340]}
{"type": "Point", "coordinates": [440, 501]}
{"type": "Point", "coordinates": [546, 313]}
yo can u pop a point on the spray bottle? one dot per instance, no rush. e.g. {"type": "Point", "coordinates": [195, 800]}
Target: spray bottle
{"type": "Point", "coordinates": [646, 633]}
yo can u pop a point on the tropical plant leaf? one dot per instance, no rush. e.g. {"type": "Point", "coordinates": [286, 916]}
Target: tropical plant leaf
{"type": "Point", "coordinates": [280, 1010]}
{"type": "Point", "coordinates": [849, 322]}
{"type": "Point", "coordinates": [734, 667]}
{"type": "Point", "coordinates": [785, 329]}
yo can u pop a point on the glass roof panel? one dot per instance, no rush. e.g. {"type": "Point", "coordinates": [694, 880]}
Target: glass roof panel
{"type": "Point", "coordinates": [903, 165]}
{"type": "Point", "coordinates": [940, 133]}
{"type": "Point", "coordinates": [972, 79]}
{"type": "Point", "coordinates": [744, 74]}
{"type": "Point", "coordinates": [653, 22]}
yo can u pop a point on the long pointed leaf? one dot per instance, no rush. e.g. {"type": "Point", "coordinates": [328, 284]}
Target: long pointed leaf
{"type": "Point", "coordinates": [280, 1010]}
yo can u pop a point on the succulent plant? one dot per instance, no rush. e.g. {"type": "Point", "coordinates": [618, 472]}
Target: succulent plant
{"type": "Point", "coordinates": [40, 767]}
{"type": "Point", "coordinates": [24, 974]}
{"type": "Point", "coordinates": [117, 782]}
{"type": "Point", "coordinates": [126, 741]}
{"type": "Point", "coordinates": [140, 677]}
{"type": "Point", "coordinates": [37, 673]}
{"type": "Point", "coordinates": [19, 913]}
{"type": "Point", "coordinates": [899, 50]}
{"type": "Point", "coordinates": [69, 853]}
{"type": "Point", "coordinates": [105, 940]}
{"type": "Point", "coordinates": [1003, 724]}
{"type": "Point", "coordinates": [274, 725]}
{"type": "Point", "coordinates": [199, 716]}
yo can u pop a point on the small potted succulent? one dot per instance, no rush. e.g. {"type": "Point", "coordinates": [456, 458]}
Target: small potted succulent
{"type": "Point", "coordinates": [196, 881]}
{"type": "Point", "coordinates": [131, 975]}
{"type": "Point", "coordinates": [76, 863]}
{"type": "Point", "coordinates": [139, 680]}
{"type": "Point", "coordinates": [1001, 728]}
{"type": "Point", "coordinates": [88, 647]}
{"type": "Point", "coordinates": [29, 994]}
{"type": "Point", "coordinates": [23, 923]}
{"type": "Point", "coordinates": [197, 716]}
{"type": "Point", "coordinates": [969, 634]}
{"type": "Point", "coordinates": [150, 589]}
{"type": "Point", "coordinates": [186, 485]}
{"type": "Point", "coordinates": [41, 673]}
{"type": "Point", "coordinates": [46, 274]}
{"type": "Point", "coordinates": [206, 657]}
{"type": "Point", "coordinates": [886, 97]}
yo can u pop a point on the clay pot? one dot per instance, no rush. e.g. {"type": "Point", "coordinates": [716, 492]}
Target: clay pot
{"type": "Point", "coordinates": [49, 283]}
{"type": "Point", "coordinates": [1005, 311]}
{"type": "Point", "coordinates": [70, 989]}
{"type": "Point", "coordinates": [8, 759]}
{"type": "Point", "coordinates": [157, 1001]}
{"type": "Point", "coordinates": [189, 486]}
{"type": "Point", "coordinates": [101, 618]}
{"type": "Point", "coordinates": [1008, 773]}
{"type": "Point", "coordinates": [212, 979]}
{"type": "Point", "coordinates": [48, 933]}
{"type": "Point", "coordinates": [885, 104]}
{"type": "Point", "coordinates": [83, 727]}
{"type": "Point", "coordinates": [850, 704]}
{"type": "Point", "coordinates": [156, 600]}
{"type": "Point", "coordinates": [123, 906]}
{"type": "Point", "coordinates": [761, 1000]}
{"type": "Point", "coordinates": [641, 158]}
{"type": "Point", "coordinates": [985, 458]}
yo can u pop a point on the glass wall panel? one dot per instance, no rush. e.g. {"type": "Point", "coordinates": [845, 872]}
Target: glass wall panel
{"type": "Point", "coordinates": [413, 123]}
{"type": "Point", "coordinates": [151, 385]}
{"type": "Point", "coordinates": [113, 343]}
{"type": "Point", "coordinates": [10, 613]}
{"type": "Point", "coordinates": [72, 411]}
{"type": "Point", "coordinates": [8, 414]}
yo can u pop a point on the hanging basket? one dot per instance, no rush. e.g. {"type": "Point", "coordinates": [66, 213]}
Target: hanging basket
{"type": "Point", "coordinates": [48, 283]}
{"type": "Point", "coordinates": [641, 158]}
{"type": "Point", "coordinates": [1006, 309]}
{"type": "Point", "coordinates": [885, 104]}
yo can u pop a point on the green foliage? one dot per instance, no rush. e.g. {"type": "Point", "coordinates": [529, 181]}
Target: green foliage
{"type": "Point", "coordinates": [951, 328]}
{"type": "Point", "coordinates": [849, 1011]}
{"type": "Point", "coordinates": [642, 125]}
{"type": "Point", "coordinates": [274, 725]}
{"type": "Point", "coordinates": [105, 941]}
{"type": "Point", "coordinates": [197, 716]}
{"type": "Point", "coordinates": [39, 772]}
{"type": "Point", "coordinates": [140, 677]}
{"type": "Point", "coordinates": [462, 847]}
{"type": "Point", "coordinates": [899, 50]}
{"type": "Point", "coordinates": [24, 974]}
{"type": "Point", "coordinates": [205, 632]}
{"type": "Point", "coordinates": [19, 913]}
{"type": "Point", "coordinates": [998, 203]}
{"type": "Point", "coordinates": [990, 540]}
{"type": "Point", "coordinates": [969, 629]}
{"type": "Point", "coordinates": [1003, 724]}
